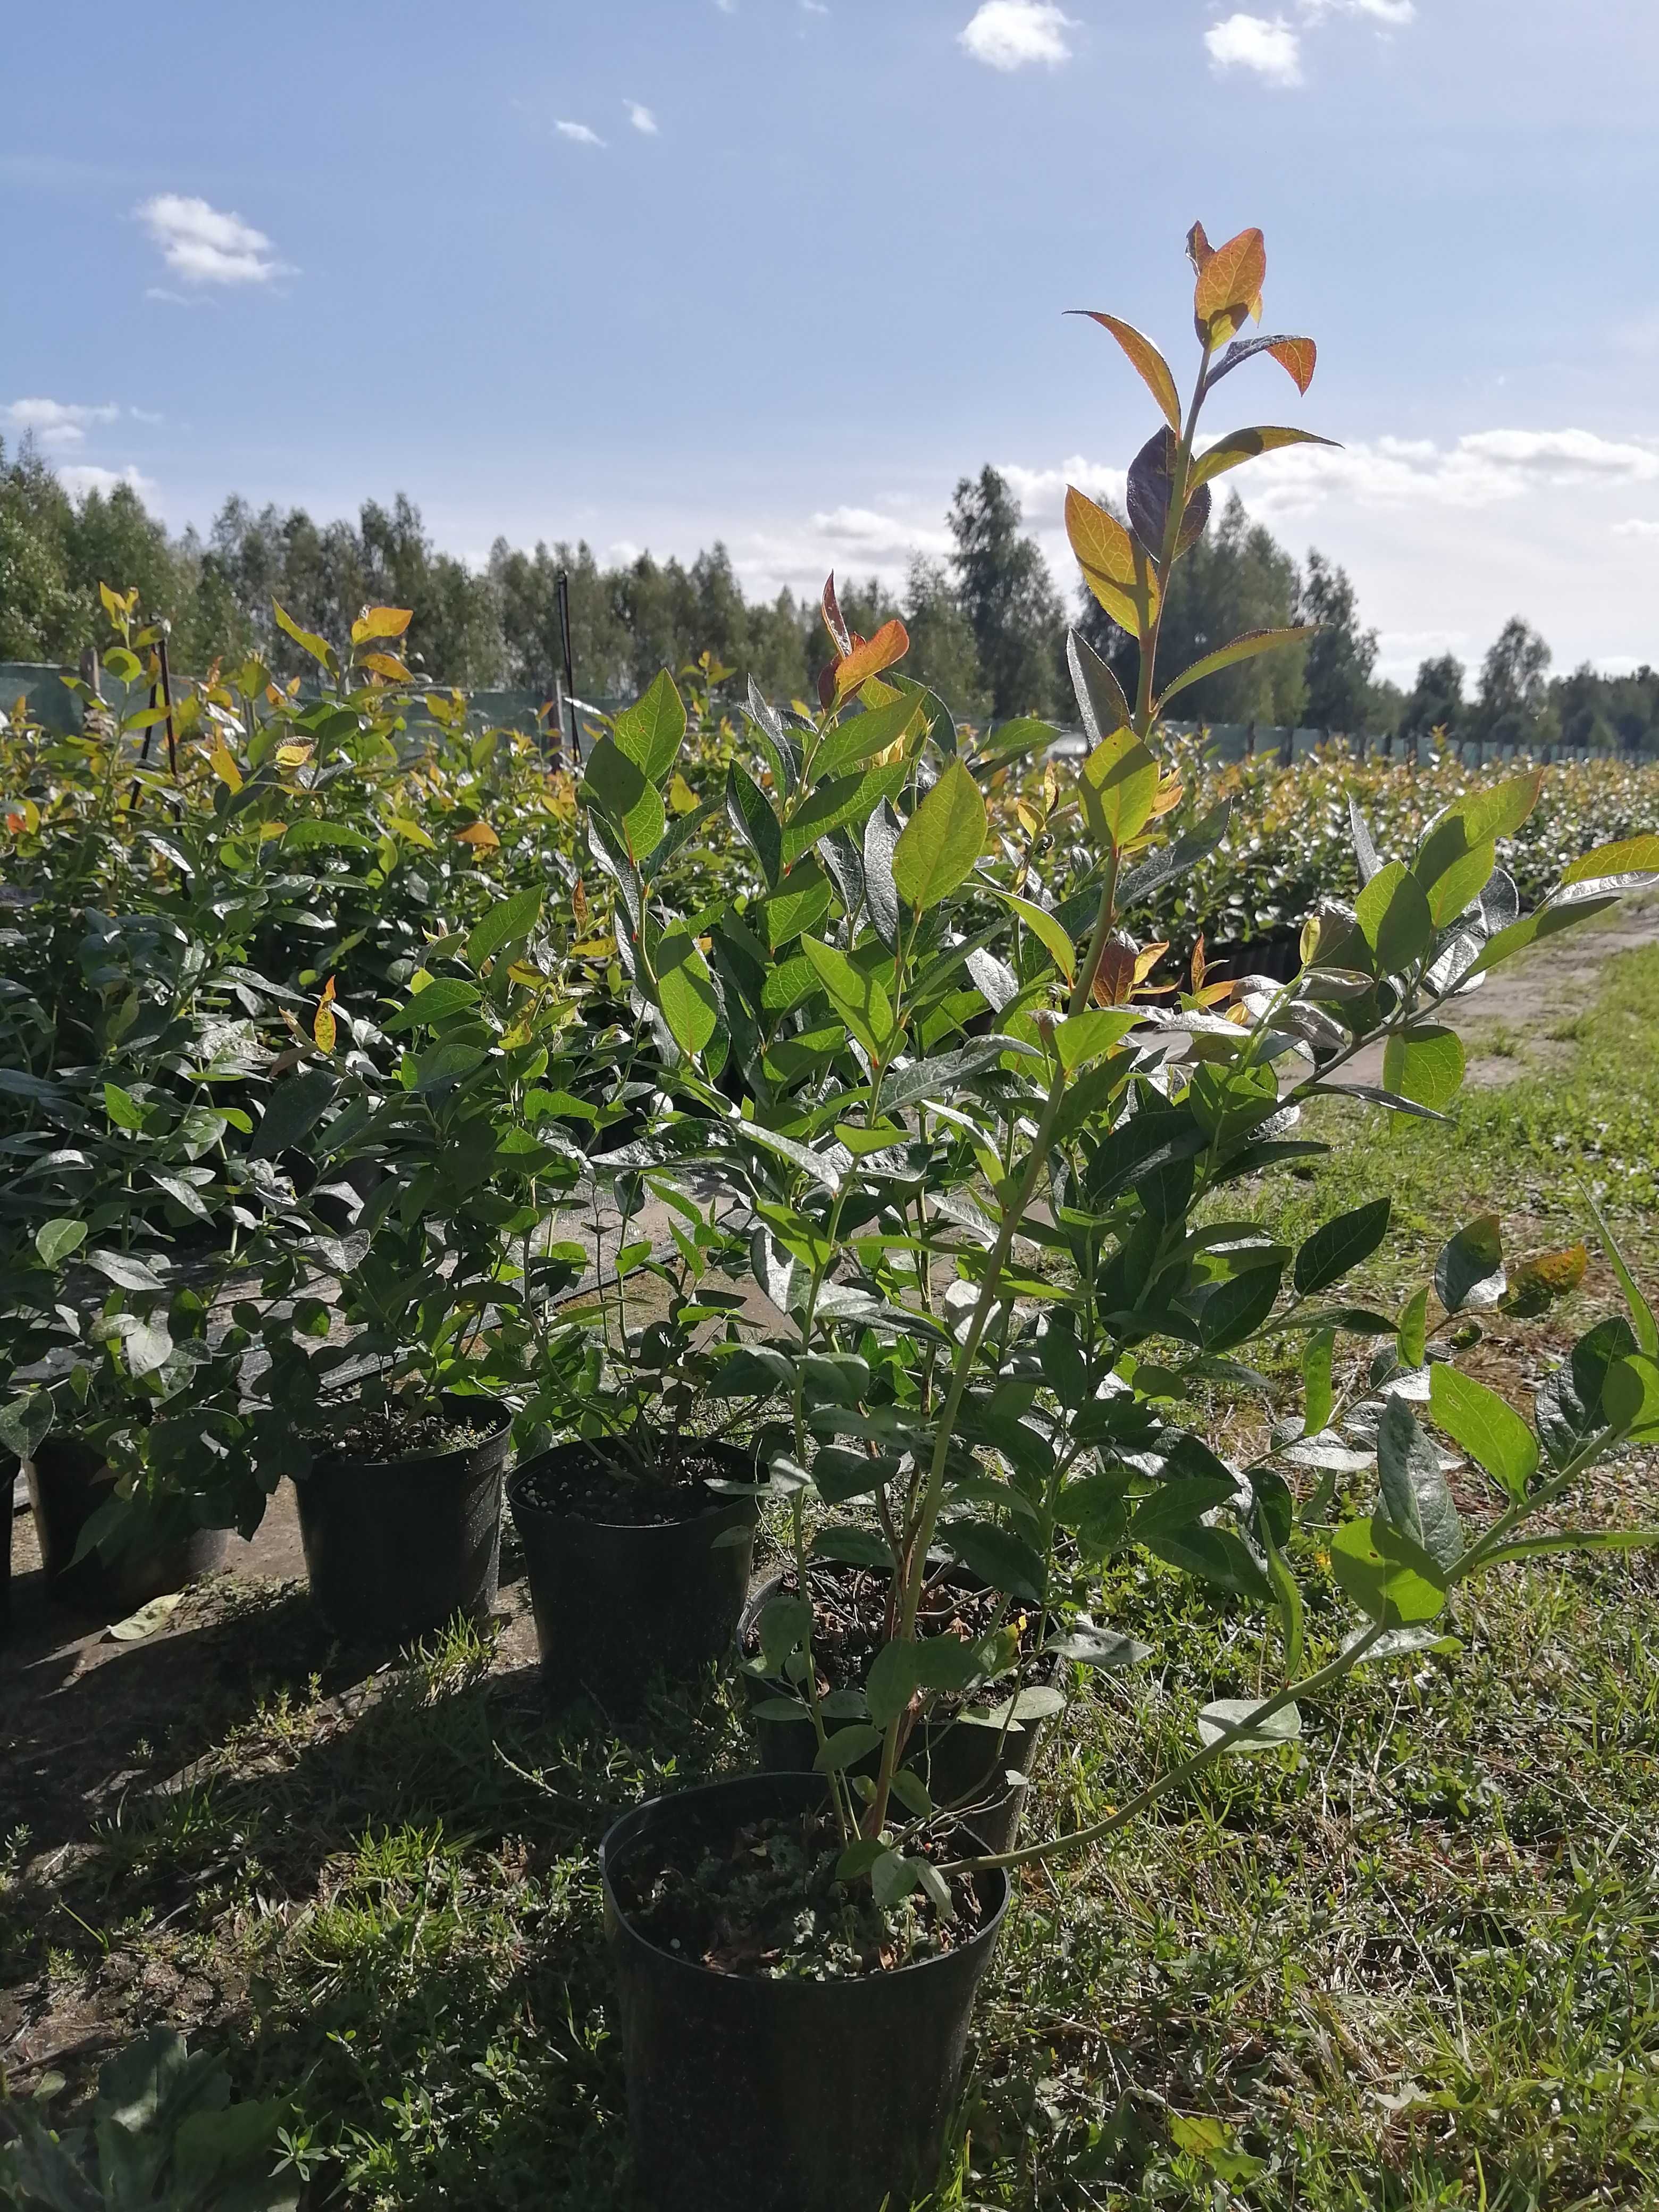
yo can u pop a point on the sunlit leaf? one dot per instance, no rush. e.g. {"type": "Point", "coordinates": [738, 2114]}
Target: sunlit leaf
{"type": "Point", "coordinates": [1628, 856]}
{"type": "Point", "coordinates": [308, 641]}
{"type": "Point", "coordinates": [942, 841]}
{"type": "Point", "coordinates": [1241, 649]}
{"type": "Point", "coordinates": [1241, 446]}
{"type": "Point", "coordinates": [1423, 1063]}
{"type": "Point", "coordinates": [1481, 1424]}
{"type": "Point", "coordinates": [1229, 286]}
{"type": "Point", "coordinates": [891, 643]}
{"type": "Point", "coordinates": [1115, 569]}
{"type": "Point", "coordinates": [1118, 783]}
{"type": "Point", "coordinates": [1147, 359]}
{"type": "Point", "coordinates": [380, 622]}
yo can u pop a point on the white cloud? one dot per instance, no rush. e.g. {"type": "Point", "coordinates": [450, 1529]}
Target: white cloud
{"type": "Point", "coordinates": [1041, 492]}
{"type": "Point", "coordinates": [1636, 529]}
{"type": "Point", "coordinates": [56, 423]}
{"type": "Point", "coordinates": [84, 478]}
{"type": "Point", "coordinates": [813, 7]}
{"type": "Point", "coordinates": [579, 133]}
{"type": "Point", "coordinates": [204, 246]}
{"type": "Point", "coordinates": [727, 7]}
{"type": "Point", "coordinates": [639, 116]}
{"type": "Point", "coordinates": [869, 535]}
{"type": "Point", "coordinates": [1483, 468]}
{"type": "Point", "coordinates": [1271, 48]}
{"type": "Point", "coordinates": [1394, 14]}
{"type": "Point", "coordinates": [1009, 34]}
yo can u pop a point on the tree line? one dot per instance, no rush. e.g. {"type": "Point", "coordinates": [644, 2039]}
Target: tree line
{"type": "Point", "coordinates": [986, 624]}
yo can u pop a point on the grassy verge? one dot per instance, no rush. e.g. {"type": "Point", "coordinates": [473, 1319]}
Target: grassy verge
{"type": "Point", "coordinates": [1408, 1963]}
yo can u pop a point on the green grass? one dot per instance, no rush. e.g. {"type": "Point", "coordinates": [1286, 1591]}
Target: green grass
{"type": "Point", "coordinates": [1410, 1963]}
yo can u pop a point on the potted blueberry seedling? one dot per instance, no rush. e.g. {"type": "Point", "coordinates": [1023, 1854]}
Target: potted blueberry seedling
{"type": "Point", "coordinates": [987, 1176]}
{"type": "Point", "coordinates": [379, 1396]}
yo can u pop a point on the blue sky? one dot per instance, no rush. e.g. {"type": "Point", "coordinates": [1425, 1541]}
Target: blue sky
{"type": "Point", "coordinates": [778, 271]}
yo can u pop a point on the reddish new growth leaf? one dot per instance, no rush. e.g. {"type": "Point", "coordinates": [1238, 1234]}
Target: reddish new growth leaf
{"type": "Point", "coordinates": [839, 636]}
{"type": "Point", "coordinates": [868, 657]}
{"type": "Point", "coordinates": [1297, 356]}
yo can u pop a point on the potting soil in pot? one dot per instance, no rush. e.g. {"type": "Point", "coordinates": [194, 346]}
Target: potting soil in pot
{"type": "Point", "coordinates": [764, 1901]}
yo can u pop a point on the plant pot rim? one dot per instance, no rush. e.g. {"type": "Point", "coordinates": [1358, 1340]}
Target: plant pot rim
{"type": "Point", "coordinates": [786, 1785]}
{"type": "Point", "coordinates": [324, 1466]}
{"type": "Point", "coordinates": [748, 1507]}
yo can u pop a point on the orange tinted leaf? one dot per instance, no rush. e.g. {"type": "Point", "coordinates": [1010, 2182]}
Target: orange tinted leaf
{"type": "Point", "coordinates": [225, 768]}
{"type": "Point", "coordinates": [380, 622]}
{"type": "Point", "coordinates": [1230, 282]}
{"type": "Point", "coordinates": [1297, 357]}
{"type": "Point", "coordinates": [1536, 1284]}
{"type": "Point", "coordinates": [480, 835]}
{"type": "Point", "coordinates": [869, 657]}
{"type": "Point", "coordinates": [1200, 251]}
{"type": "Point", "coordinates": [1114, 566]}
{"type": "Point", "coordinates": [1154, 369]}
{"type": "Point", "coordinates": [1114, 978]}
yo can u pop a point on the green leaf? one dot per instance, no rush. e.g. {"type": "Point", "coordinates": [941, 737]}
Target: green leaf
{"type": "Point", "coordinates": [1050, 931]}
{"type": "Point", "coordinates": [1478, 1420]}
{"type": "Point", "coordinates": [1003, 1560]}
{"type": "Point", "coordinates": [1318, 1399]}
{"type": "Point", "coordinates": [1339, 1246]}
{"type": "Point", "coordinates": [1630, 1396]}
{"type": "Point", "coordinates": [1412, 1337]}
{"type": "Point", "coordinates": [800, 902]}
{"type": "Point", "coordinates": [858, 998]}
{"type": "Point", "coordinates": [893, 1877]}
{"type": "Point", "coordinates": [942, 842]}
{"type": "Point", "coordinates": [123, 1108]}
{"type": "Point", "coordinates": [1533, 928]}
{"type": "Point", "coordinates": [754, 820]}
{"type": "Point", "coordinates": [1245, 647]}
{"type": "Point", "coordinates": [620, 787]}
{"type": "Point", "coordinates": [859, 1547]}
{"type": "Point", "coordinates": [436, 1003]}
{"type": "Point", "coordinates": [1100, 697]}
{"type": "Point", "coordinates": [684, 990]}
{"type": "Point", "coordinates": [1414, 1490]}
{"type": "Point", "coordinates": [892, 1680]}
{"type": "Point", "coordinates": [1237, 1309]}
{"type": "Point", "coordinates": [293, 1110]}
{"type": "Point", "coordinates": [1643, 1320]}
{"type": "Point", "coordinates": [1395, 919]}
{"type": "Point", "coordinates": [1082, 1037]}
{"type": "Point", "coordinates": [56, 1239]}
{"type": "Point", "coordinates": [1119, 783]}
{"type": "Point", "coordinates": [1469, 1271]}
{"type": "Point", "coordinates": [858, 737]}
{"type": "Point", "coordinates": [832, 805]}
{"type": "Point", "coordinates": [1626, 856]}
{"type": "Point", "coordinates": [1424, 1064]}
{"type": "Point", "coordinates": [1569, 1407]}
{"type": "Point", "coordinates": [25, 1423]}
{"type": "Point", "coordinates": [1386, 1574]}
{"type": "Point", "coordinates": [648, 733]}
{"type": "Point", "coordinates": [1271, 1734]}
{"type": "Point", "coordinates": [845, 1745]}
{"type": "Point", "coordinates": [507, 923]}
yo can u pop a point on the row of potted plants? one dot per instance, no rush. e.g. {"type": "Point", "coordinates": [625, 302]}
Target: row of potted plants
{"type": "Point", "coordinates": [940, 1268]}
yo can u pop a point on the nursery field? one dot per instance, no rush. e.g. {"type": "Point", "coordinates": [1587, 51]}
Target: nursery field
{"type": "Point", "coordinates": [822, 1463]}
{"type": "Point", "coordinates": [1409, 1963]}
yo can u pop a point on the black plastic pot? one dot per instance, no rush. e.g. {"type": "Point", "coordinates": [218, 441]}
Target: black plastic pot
{"type": "Point", "coordinates": [68, 1482]}
{"type": "Point", "coordinates": [8, 1492]}
{"type": "Point", "coordinates": [617, 1602]}
{"type": "Point", "coordinates": [395, 1548]}
{"type": "Point", "coordinates": [782, 2096]}
{"type": "Point", "coordinates": [961, 1763]}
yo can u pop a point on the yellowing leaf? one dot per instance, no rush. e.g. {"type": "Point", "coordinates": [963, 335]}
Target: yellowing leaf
{"type": "Point", "coordinates": [410, 832]}
{"type": "Point", "coordinates": [384, 663]}
{"type": "Point", "coordinates": [1229, 286]}
{"type": "Point", "coordinates": [1119, 782]}
{"type": "Point", "coordinates": [1114, 566]}
{"type": "Point", "coordinates": [480, 835]}
{"type": "Point", "coordinates": [681, 797]}
{"type": "Point", "coordinates": [308, 642]}
{"type": "Point", "coordinates": [1154, 369]}
{"type": "Point", "coordinates": [380, 622]}
{"type": "Point", "coordinates": [323, 1028]}
{"type": "Point", "coordinates": [1241, 446]}
{"type": "Point", "coordinates": [225, 768]}
{"type": "Point", "coordinates": [294, 754]}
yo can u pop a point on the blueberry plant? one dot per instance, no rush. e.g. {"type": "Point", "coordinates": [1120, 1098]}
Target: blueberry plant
{"type": "Point", "coordinates": [988, 1170]}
